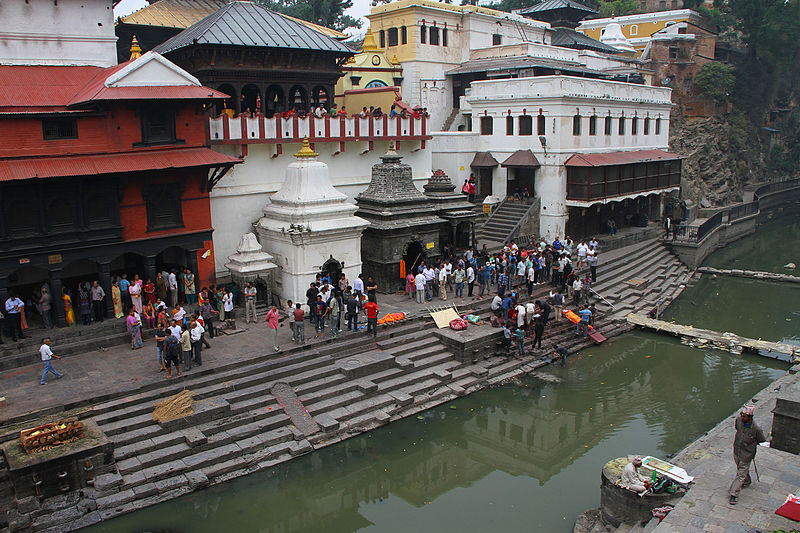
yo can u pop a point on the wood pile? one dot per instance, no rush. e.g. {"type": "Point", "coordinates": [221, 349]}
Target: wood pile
{"type": "Point", "coordinates": [49, 435]}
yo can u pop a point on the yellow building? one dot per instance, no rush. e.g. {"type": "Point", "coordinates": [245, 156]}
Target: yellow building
{"type": "Point", "coordinates": [370, 79]}
{"type": "Point", "coordinates": [640, 27]}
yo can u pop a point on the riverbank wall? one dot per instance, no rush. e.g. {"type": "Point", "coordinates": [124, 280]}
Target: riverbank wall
{"type": "Point", "coordinates": [345, 387]}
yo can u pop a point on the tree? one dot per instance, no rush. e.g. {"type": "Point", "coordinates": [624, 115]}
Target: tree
{"type": "Point", "coordinates": [618, 8]}
{"type": "Point", "coordinates": [716, 81]}
{"type": "Point", "coordinates": [328, 13]}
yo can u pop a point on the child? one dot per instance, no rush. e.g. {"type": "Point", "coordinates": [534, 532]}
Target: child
{"type": "Point", "coordinates": [47, 355]}
{"type": "Point", "coordinates": [507, 337]}
{"type": "Point", "coordinates": [520, 335]}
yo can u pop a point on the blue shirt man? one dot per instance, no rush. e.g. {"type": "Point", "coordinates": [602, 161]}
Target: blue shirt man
{"type": "Point", "coordinates": [585, 315]}
{"type": "Point", "coordinates": [557, 244]}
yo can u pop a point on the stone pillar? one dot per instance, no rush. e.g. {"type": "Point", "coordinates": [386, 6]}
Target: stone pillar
{"type": "Point", "coordinates": [149, 268]}
{"type": "Point", "coordinates": [56, 290]}
{"type": "Point", "coordinates": [105, 282]}
{"type": "Point", "coordinates": [453, 233]}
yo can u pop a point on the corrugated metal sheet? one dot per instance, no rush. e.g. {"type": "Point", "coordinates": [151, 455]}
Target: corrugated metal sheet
{"type": "Point", "coordinates": [42, 86]}
{"type": "Point", "coordinates": [550, 5]}
{"type": "Point", "coordinates": [513, 63]}
{"type": "Point", "coordinates": [483, 160]}
{"type": "Point", "coordinates": [184, 13]}
{"type": "Point", "coordinates": [522, 158]}
{"type": "Point", "coordinates": [619, 158]}
{"type": "Point", "coordinates": [89, 165]}
{"type": "Point", "coordinates": [567, 38]}
{"type": "Point", "coordinates": [249, 24]}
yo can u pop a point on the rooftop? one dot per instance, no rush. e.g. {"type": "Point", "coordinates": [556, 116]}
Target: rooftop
{"type": "Point", "coordinates": [249, 24]}
{"type": "Point", "coordinates": [454, 8]}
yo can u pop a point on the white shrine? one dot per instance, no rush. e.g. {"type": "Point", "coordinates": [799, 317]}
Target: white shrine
{"type": "Point", "coordinates": [309, 227]}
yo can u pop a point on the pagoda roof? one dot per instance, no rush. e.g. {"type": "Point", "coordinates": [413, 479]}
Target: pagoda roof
{"type": "Point", "coordinates": [252, 25]}
{"type": "Point", "coordinates": [552, 5]}
{"type": "Point", "coordinates": [183, 13]}
{"type": "Point", "coordinates": [569, 38]}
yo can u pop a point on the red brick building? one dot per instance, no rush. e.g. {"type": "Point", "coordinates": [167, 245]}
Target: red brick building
{"type": "Point", "coordinates": [104, 171]}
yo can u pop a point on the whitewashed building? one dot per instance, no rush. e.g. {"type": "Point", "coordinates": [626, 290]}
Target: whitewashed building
{"type": "Point", "coordinates": [585, 150]}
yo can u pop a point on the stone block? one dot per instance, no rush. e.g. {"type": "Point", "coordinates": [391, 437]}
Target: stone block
{"type": "Point", "coordinates": [59, 517]}
{"type": "Point", "coordinates": [444, 375]}
{"type": "Point", "coordinates": [300, 447]}
{"type": "Point", "coordinates": [381, 417]}
{"type": "Point", "coordinates": [366, 386]}
{"type": "Point", "coordinates": [401, 398]}
{"type": "Point", "coordinates": [18, 521]}
{"type": "Point", "coordinates": [129, 465]}
{"type": "Point", "coordinates": [197, 479]}
{"type": "Point", "coordinates": [86, 505]}
{"type": "Point", "coordinates": [166, 485]}
{"type": "Point", "coordinates": [115, 500]}
{"type": "Point", "coordinates": [134, 478]}
{"type": "Point", "coordinates": [327, 423]}
{"type": "Point", "coordinates": [296, 433]}
{"type": "Point", "coordinates": [28, 505]}
{"type": "Point", "coordinates": [143, 491]}
{"type": "Point", "coordinates": [89, 519]}
{"type": "Point", "coordinates": [458, 390]}
{"type": "Point", "coordinates": [194, 437]}
{"type": "Point", "coordinates": [404, 363]}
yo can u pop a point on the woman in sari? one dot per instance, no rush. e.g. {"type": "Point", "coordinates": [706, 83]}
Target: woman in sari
{"type": "Point", "coordinates": [411, 287]}
{"type": "Point", "coordinates": [219, 294]}
{"type": "Point", "coordinates": [116, 297]}
{"type": "Point", "coordinates": [135, 329]}
{"type": "Point", "coordinates": [189, 288]}
{"type": "Point", "coordinates": [149, 292]}
{"type": "Point", "coordinates": [136, 293]}
{"type": "Point", "coordinates": [69, 314]}
{"type": "Point", "coordinates": [85, 303]}
{"type": "Point", "coordinates": [149, 313]}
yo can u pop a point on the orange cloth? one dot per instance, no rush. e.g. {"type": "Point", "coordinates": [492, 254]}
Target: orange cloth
{"type": "Point", "coordinates": [392, 317]}
{"type": "Point", "coordinates": [402, 269]}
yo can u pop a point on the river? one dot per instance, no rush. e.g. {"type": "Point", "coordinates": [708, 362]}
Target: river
{"type": "Point", "coordinates": [523, 457]}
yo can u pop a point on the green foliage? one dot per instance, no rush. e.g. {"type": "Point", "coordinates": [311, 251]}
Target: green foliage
{"type": "Point", "coordinates": [328, 13]}
{"type": "Point", "coordinates": [716, 81]}
{"type": "Point", "coordinates": [618, 7]}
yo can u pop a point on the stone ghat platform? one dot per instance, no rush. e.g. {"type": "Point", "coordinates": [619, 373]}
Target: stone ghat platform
{"type": "Point", "coordinates": [750, 274]}
{"type": "Point", "coordinates": [252, 406]}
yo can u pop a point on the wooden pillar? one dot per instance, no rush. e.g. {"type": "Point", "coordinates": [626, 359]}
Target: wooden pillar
{"type": "Point", "coordinates": [105, 282]}
{"type": "Point", "coordinates": [57, 301]}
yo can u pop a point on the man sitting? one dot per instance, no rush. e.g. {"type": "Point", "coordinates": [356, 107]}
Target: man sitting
{"type": "Point", "coordinates": [632, 480]}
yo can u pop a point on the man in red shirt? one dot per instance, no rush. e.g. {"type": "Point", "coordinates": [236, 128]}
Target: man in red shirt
{"type": "Point", "coordinates": [371, 309]}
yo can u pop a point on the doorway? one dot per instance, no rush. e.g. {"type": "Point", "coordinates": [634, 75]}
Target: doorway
{"type": "Point", "coordinates": [415, 254]}
{"type": "Point", "coordinates": [483, 181]}
{"type": "Point", "coordinates": [520, 179]}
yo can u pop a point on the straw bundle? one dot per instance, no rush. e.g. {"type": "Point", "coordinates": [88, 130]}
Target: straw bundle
{"type": "Point", "coordinates": [178, 406]}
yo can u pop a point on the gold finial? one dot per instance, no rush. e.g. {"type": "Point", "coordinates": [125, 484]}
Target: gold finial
{"type": "Point", "coordinates": [369, 42]}
{"type": "Point", "coordinates": [395, 61]}
{"type": "Point", "coordinates": [306, 150]}
{"type": "Point", "coordinates": [136, 50]}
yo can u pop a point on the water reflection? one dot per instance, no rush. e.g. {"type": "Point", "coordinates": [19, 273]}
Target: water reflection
{"type": "Point", "coordinates": [509, 458]}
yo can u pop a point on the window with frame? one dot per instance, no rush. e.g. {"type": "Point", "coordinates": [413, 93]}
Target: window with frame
{"type": "Point", "coordinates": [634, 29]}
{"type": "Point", "coordinates": [525, 125]}
{"type": "Point", "coordinates": [497, 39]}
{"type": "Point", "coordinates": [434, 36]}
{"type": "Point", "coordinates": [423, 34]}
{"type": "Point", "coordinates": [608, 125]}
{"type": "Point", "coordinates": [158, 126]}
{"type": "Point", "coordinates": [635, 126]}
{"type": "Point", "coordinates": [647, 125]}
{"type": "Point", "coordinates": [576, 125]}
{"type": "Point", "coordinates": [164, 209]}
{"type": "Point", "coordinates": [382, 38]}
{"type": "Point", "coordinates": [673, 52]}
{"type": "Point", "coordinates": [658, 126]}
{"type": "Point", "coordinates": [403, 35]}
{"type": "Point", "coordinates": [392, 36]}
{"type": "Point", "coordinates": [59, 128]}
{"type": "Point", "coordinates": [622, 125]}
{"type": "Point", "coordinates": [541, 125]}
{"type": "Point", "coordinates": [509, 125]}
{"type": "Point", "coordinates": [444, 36]}
{"type": "Point", "coordinates": [593, 125]}
{"type": "Point", "coordinates": [487, 126]}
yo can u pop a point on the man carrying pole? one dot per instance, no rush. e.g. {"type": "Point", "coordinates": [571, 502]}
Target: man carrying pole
{"type": "Point", "coordinates": [745, 444]}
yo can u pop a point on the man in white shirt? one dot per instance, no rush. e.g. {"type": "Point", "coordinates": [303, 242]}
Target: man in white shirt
{"type": "Point", "coordinates": [47, 355]}
{"type": "Point", "coordinates": [582, 250]}
{"type": "Point", "coordinates": [577, 287]}
{"type": "Point", "coordinates": [175, 329]}
{"type": "Point", "coordinates": [179, 314]}
{"type": "Point", "coordinates": [497, 301]}
{"type": "Point", "coordinates": [358, 284]}
{"type": "Point", "coordinates": [593, 244]}
{"type": "Point", "coordinates": [419, 284]}
{"type": "Point", "coordinates": [470, 279]}
{"type": "Point", "coordinates": [14, 310]}
{"type": "Point", "coordinates": [172, 284]}
{"type": "Point", "coordinates": [196, 334]}
{"type": "Point", "coordinates": [250, 293]}
{"type": "Point", "coordinates": [520, 316]}
{"type": "Point", "coordinates": [227, 304]}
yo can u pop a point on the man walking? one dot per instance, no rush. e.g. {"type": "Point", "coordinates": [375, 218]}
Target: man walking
{"type": "Point", "coordinates": [272, 324]}
{"type": "Point", "coordinates": [419, 284]}
{"type": "Point", "coordinates": [583, 325]}
{"type": "Point", "coordinates": [299, 325]}
{"type": "Point", "coordinates": [250, 293]}
{"type": "Point", "coordinates": [46, 306]}
{"type": "Point", "coordinates": [98, 295]}
{"type": "Point", "coordinates": [745, 444]}
{"type": "Point", "coordinates": [47, 355]}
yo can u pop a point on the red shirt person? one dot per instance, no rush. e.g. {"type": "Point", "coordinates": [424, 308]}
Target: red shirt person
{"type": "Point", "coordinates": [371, 309]}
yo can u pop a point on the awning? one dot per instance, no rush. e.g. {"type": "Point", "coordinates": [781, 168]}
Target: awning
{"type": "Point", "coordinates": [620, 158]}
{"type": "Point", "coordinates": [483, 160]}
{"type": "Point", "coordinates": [89, 165]}
{"type": "Point", "coordinates": [522, 158]}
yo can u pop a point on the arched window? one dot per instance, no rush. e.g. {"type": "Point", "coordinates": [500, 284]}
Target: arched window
{"type": "Point", "coordinates": [608, 125]}
{"type": "Point", "coordinates": [298, 99]}
{"type": "Point", "coordinates": [444, 36]}
{"type": "Point", "coordinates": [423, 34]}
{"type": "Point", "coordinates": [382, 38]}
{"type": "Point", "coordinates": [622, 125]}
{"type": "Point", "coordinates": [251, 98]}
{"type": "Point", "coordinates": [230, 102]}
{"type": "Point", "coordinates": [275, 101]}
{"type": "Point", "coordinates": [434, 36]}
{"type": "Point", "coordinates": [320, 97]}
{"type": "Point", "coordinates": [658, 126]}
{"type": "Point", "coordinates": [392, 35]}
{"type": "Point", "coordinates": [635, 126]}
{"type": "Point", "coordinates": [403, 35]}
{"type": "Point", "coordinates": [647, 125]}
{"type": "Point", "coordinates": [525, 125]}
{"type": "Point", "coordinates": [576, 125]}
{"type": "Point", "coordinates": [375, 83]}
{"type": "Point", "coordinates": [540, 124]}
{"type": "Point", "coordinates": [487, 126]}
{"type": "Point", "coordinates": [593, 125]}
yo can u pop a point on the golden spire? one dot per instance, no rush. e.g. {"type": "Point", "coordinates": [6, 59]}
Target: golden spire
{"type": "Point", "coordinates": [136, 50]}
{"type": "Point", "coordinates": [369, 42]}
{"type": "Point", "coordinates": [306, 150]}
{"type": "Point", "coordinates": [395, 61]}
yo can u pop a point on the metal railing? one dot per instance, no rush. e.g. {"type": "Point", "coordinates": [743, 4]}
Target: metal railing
{"type": "Point", "coordinates": [744, 210]}
{"type": "Point", "coordinates": [776, 187]}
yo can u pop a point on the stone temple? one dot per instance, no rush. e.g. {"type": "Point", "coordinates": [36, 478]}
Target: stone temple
{"type": "Point", "coordinates": [403, 226]}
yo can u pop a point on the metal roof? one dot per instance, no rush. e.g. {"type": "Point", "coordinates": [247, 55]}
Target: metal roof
{"type": "Point", "coordinates": [549, 5]}
{"type": "Point", "coordinates": [567, 38]}
{"type": "Point", "coordinates": [183, 13]}
{"type": "Point", "coordinates": [619, 158]}
{"type": "Point", "coordinates": [249, 24]}
{"type": "Point", "coordinates": [522, 158]}
{"type": "Point", "coordinates": [110, 163]}
{"type": "Point", "coordinates": [484, 160]}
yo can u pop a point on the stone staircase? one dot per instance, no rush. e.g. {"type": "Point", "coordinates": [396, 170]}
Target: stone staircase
{"type": "Point", "coordinates": [348, 385]}
{"type": "Point", "coordinates": [503, 220]}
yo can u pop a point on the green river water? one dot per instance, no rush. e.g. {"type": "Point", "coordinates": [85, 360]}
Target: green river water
{"type": "Point", "coordinates": [518, 457]}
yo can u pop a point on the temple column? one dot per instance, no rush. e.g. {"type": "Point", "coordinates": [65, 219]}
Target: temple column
{"type": "Point", "coordinates": [57, 299]}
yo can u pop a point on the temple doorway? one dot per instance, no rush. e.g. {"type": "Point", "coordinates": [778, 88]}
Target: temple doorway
{"type": "Point", "coordinates": [415, 254]}
{"type": "Point", "coordinates": [333, 269]}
